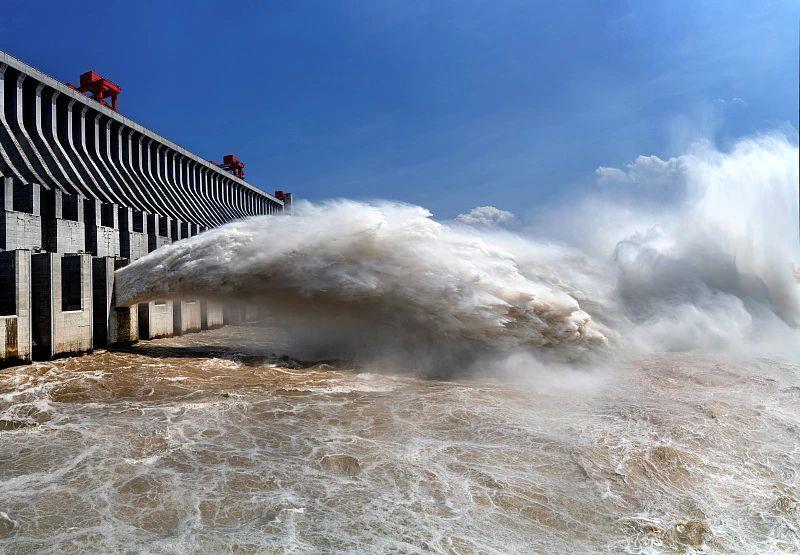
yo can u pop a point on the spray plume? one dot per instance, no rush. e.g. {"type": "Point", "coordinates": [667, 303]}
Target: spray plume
{"type": "Point", "coordinates": [712, 269]}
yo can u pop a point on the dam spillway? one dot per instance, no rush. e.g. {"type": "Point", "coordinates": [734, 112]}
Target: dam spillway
{"type": "Point", "coordinates": [83, 192]}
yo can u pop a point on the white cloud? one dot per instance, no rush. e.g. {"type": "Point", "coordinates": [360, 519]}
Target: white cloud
{"type": "Point", "coordinates": [735, 101]}
{"type": "Point", "coordinates": [645, 171]}
{"type": "Point", "coordinates": [489, 216]}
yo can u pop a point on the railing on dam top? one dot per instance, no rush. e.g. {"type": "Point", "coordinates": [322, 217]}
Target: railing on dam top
{"type": "Point", "coordinates": [55, 137]}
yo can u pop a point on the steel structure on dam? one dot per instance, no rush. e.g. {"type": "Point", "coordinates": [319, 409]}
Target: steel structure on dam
{"type": "Point", "coordinates": [83, 192]}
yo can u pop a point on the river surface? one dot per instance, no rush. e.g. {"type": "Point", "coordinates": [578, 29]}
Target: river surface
{"type": "Point", "coordinates": [211, 443]}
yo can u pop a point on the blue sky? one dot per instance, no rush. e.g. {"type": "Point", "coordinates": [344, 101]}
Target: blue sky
{"type": "Point", "coordinates": [445, 104]}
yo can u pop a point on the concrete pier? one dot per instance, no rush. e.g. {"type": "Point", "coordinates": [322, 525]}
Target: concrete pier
{"type": "Point", "coordinates": [15, 307]}
{"type": "Point", "coordinates": [186, 317]}
{"type": "Point", "coordinates": [62, 319]}
{"type": "Point", "coordinates": [211, 315]}
{"type": "Point", "coordinates": [155, 319]}
{"type": "Point", "coordinates": [63, 227]}
{"type": "Point", "coordinates": [159, 230]}
{"type": "Point", "coordinates": [233, 313]}
{"type": "Point", "coordinates": [252, 313]}
{"type": "Point", "coordinates": [133, 233]}
{"type": "Point", "coordinates": [102, 228]}
{"type": "Point", "coordinates": [20, 216]}
{"type": "Point", "coordinates": [113, 325]}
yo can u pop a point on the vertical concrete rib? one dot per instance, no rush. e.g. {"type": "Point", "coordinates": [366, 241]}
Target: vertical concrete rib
{"type": "Point", "coordinates": [78, 132]}
{"type": "Point", "coordinates": [113, 155]}
{"type": "Point", "coordinates": [225, 214]}
{"type": "Point", "coordinates": [83, 139]}
{"type": "Point", "coordinates": [25, 110]}
{"type": "Point", "coordinates": [238, 198]}
{"type": "Point", "coordinates": [208, 184]}
{"type": "Point", "coordinates": [141, 162]}
{"type": "Point", "coordinates": [13, 155]}
{"type": "Point", "coordinates": [54, 124]}
{"type": "Point", "coordinates": [185, 179]}
{"type": "Point", "coordinates": [189, 175]}
{"type": "Point", "coordinates": [205, 188]}
{"type": "Point", "coordinates": [185, 182]}
{"type": "Point", "coordinates": [43, 119]}
{"type": "Point", "coordinates": [95, 140]}
{"type": "Point", "coordinates": [233, 197]}
{"type": "Point", "coordinates": [103, 147]}
{"type": "Point", "coordinates": [162, 165]}
{"type": "Point", "coordinates": [190, 213]}
{"type": "Point", "coordinates": [127, 152]}
{"type": "Point", "coordinates": [233, 191]}
{"type": "Point", "coordinates": [65, 133]}
{"type": "Point", "coordinates": [224, 202]}
{"type": "Point", "coordinates": [169, 192]}
{"type": "Point", "coordinates": [164, 205]}
{"type": "Point", "coordinates": [161, 176]}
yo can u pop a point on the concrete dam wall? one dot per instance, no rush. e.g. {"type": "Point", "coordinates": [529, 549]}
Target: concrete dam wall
{"type": "Point", "coordinates": [84, 191]}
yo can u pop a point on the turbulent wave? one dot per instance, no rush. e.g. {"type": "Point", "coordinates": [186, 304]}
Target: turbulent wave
{"type": "Point", "coordinates": [704, 261]}
{"type": "Point", "coordinates": [369, 275]}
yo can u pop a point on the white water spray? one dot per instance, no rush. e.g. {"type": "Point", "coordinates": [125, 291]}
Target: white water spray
{"type": "Point", "coordinates": [713, 270]}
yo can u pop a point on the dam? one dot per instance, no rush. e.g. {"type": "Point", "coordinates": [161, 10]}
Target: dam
{"type": "Point", "coordinates": [85, 191]}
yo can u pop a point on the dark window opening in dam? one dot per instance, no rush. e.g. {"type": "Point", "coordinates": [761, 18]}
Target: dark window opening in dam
{"type": "Point", "coordinates": [8, 293]}
{"type": "Point", "coordinates": [23, 198]}
{"type": "Point", "coordinates": [69, 207]}
{"type": "Point", "coordinates": [162, 227]}
{"type": "Point", "coordinates": [138, 221]}
{"type": "Point", "coordinates": [70, 283]}
{"type": "Point", "coordinates": [107, 215]}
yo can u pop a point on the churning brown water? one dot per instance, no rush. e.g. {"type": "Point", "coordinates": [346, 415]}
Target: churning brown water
{"type": "Point", "coordinates": [209, 443]}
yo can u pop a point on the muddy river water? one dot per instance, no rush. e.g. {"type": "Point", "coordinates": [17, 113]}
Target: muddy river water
{"type": "Point", "coordinates": [214, 443]}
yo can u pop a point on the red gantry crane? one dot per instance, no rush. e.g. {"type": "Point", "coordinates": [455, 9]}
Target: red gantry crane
{"type": "Point", "coordinates": [232, 164]}
{"type": "Point", "coordinates": [99, 88]}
